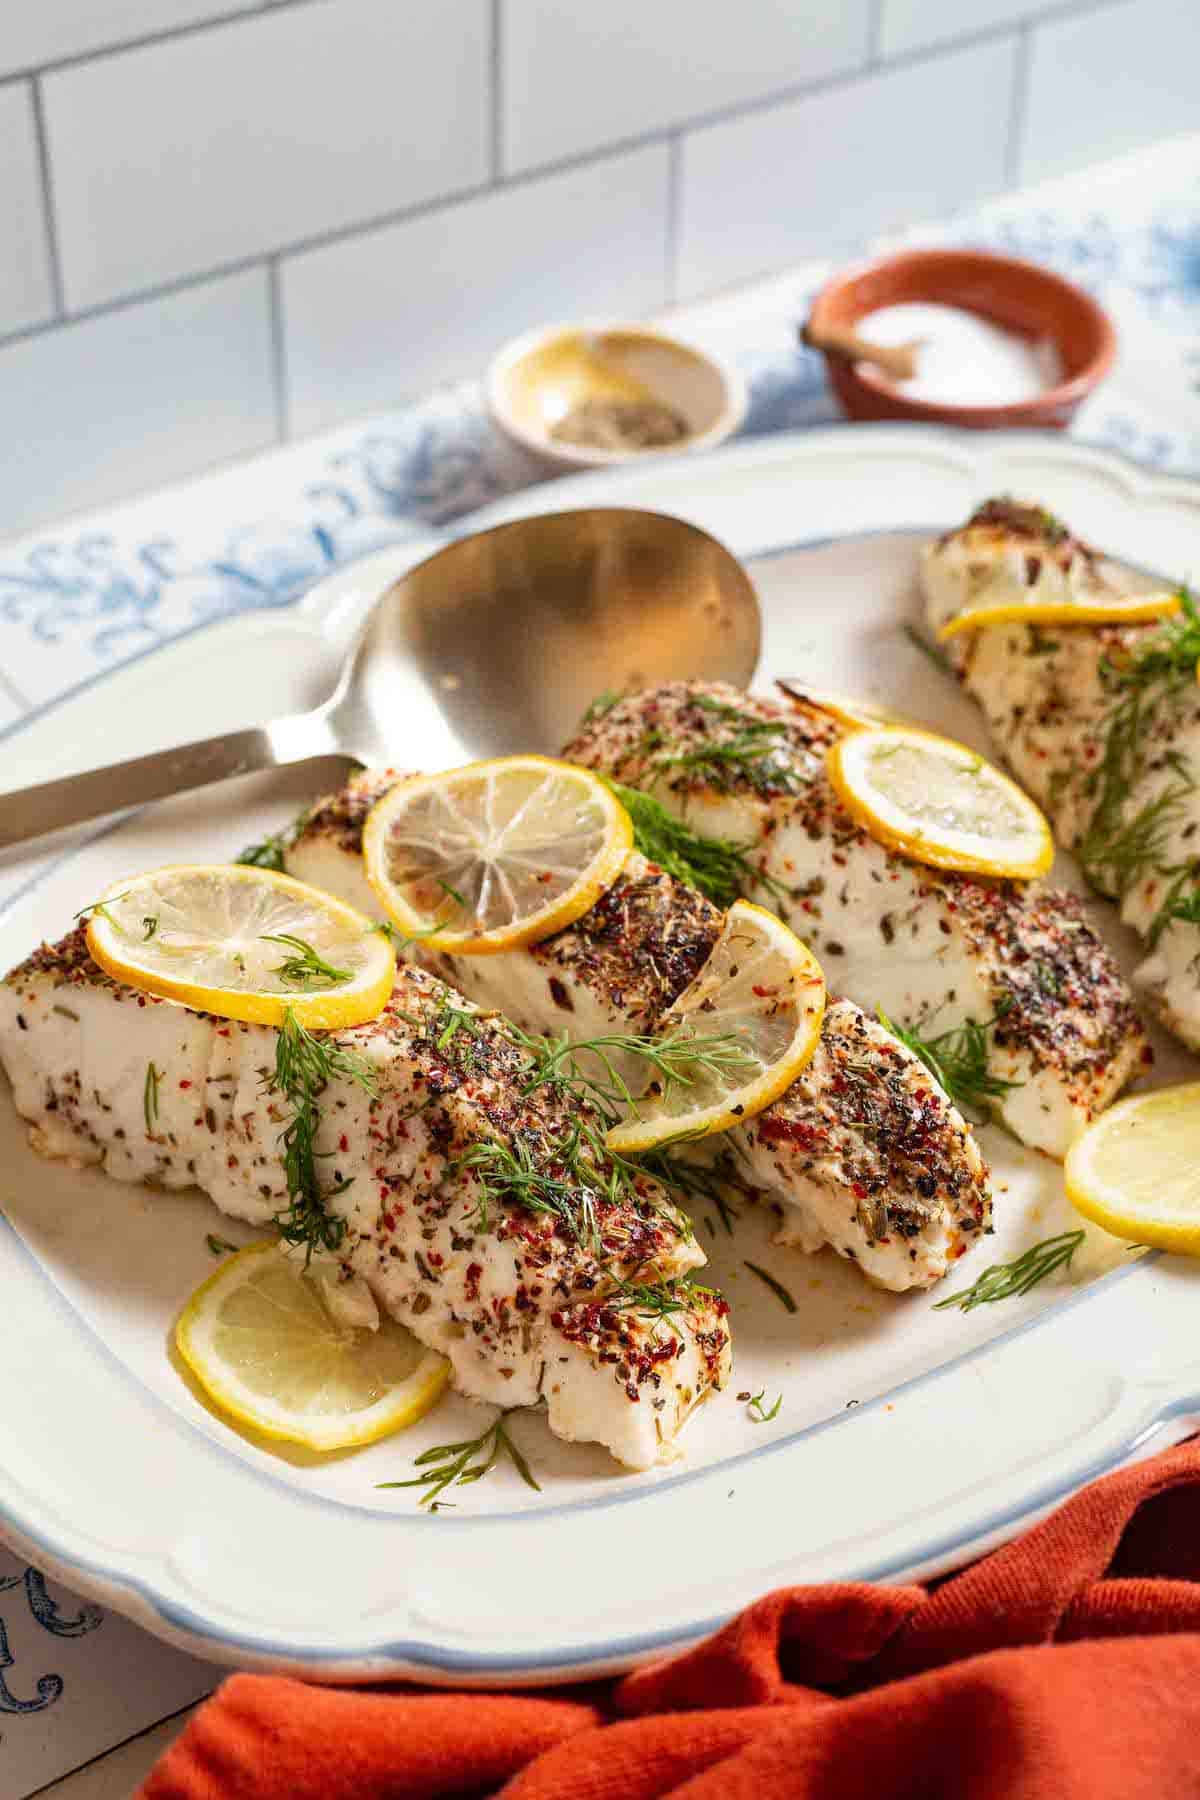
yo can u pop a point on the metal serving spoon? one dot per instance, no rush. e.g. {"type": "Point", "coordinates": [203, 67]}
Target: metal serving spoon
{"type": "Point", "coordinates": [495, 644]}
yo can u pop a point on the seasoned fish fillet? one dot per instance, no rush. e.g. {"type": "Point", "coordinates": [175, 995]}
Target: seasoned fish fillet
{"type": "Point", "coordinates": [1115, 762]}
{"type": "Point", "coordinates": [933, 949]}
{"type": "Point", "coordinates": [863, 1152]}
{"type": "Point", "coordinates": [525, 1301]}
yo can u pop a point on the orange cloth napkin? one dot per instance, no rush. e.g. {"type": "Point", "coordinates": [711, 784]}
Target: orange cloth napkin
{"type": "Point", "coordinates": [1065, 1666]}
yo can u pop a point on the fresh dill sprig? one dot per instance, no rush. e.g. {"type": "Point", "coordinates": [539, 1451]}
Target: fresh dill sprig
{"type": "Point", "coordinates": [601, 706]}
{"type": "Point", "coordinates": [1188, 910]}
{"type": "Point", "coordinates": [306, 967]}
{"type": "Point", "coordinates": [958, 1061]}
{"type": "Point", "coordinates": [304, 1067]}
{"type": "Point", "coordinates": [751, 754]}
{"type": "Point", "coordinates": [757, 1410]}
{"type": "Point", "coordinates": [776, 1287]}
{"type": "Point", "coordinates": [457, 1465]}
{"type": "Point", "coordinates": [101, 907]}
{"type": "Point", "coordinates": [219, 1246]}
{"type": "Point", "coordinates": [150, 1096]}
{"type": "Point", "coordinates": [676, 1060]}
{"type": "Point", "coordinates": [549, 1178]}
{"type": "Point", "coordinates": [718, 867]}
{"type": "Point", "coordinates": [267, 854]}
{"type": "Point", "coordinates": [270, 852]}
{"type": "Point", "coordinates": [649, 1302]}
{"type": "Point", "coordinates": [1005, 1279]}
{"type": "Point", "coordinates": [695, 1181]}
{"type": "Point", "coordinates": [1115, 853]}
{"type": "Point", "coordinates": [937, 657]}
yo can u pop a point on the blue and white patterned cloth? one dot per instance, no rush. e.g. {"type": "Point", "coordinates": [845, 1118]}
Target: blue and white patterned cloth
{"type": "Point", "coordinates": [87, 596]}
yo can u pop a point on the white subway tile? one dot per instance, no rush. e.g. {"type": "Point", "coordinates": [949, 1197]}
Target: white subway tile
{"type": "Point", "coordinates": [576, 76]}
{"type": "Point", "coordinates": [25, 292]}
{"type": "Point", "coordinates": [135, 398]}
{"type": "Point", "coordinates": [820, 174]}
{"type": "Point", "coordinates": [1109, 81]}
{"type": "Point", "coordinates": [374, 320]}
{"type": "Point", "coordinates": [41, 31]}
{"type": "Point", "coordinates": [186, 155]}
{"type": "Point", "coordinates": [911, 24]}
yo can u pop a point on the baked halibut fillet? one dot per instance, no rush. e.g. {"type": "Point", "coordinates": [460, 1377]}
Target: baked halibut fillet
{"type": "Point", "coordinates": [1100, 722]}
{"type": "Point", "coordinates": [934, 950]}
{"type": "Point", "coordinates": [529, 1302]}
{"type": "Point", "coordinates": [863, 1152]}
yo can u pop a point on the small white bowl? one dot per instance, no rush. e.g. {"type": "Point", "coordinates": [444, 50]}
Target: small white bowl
{"type": "Point", "coordinates": [533, 382]}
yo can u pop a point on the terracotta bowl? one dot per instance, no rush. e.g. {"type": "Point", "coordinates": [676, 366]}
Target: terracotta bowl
{"type": "Point", "coordinates": [1019, 295]}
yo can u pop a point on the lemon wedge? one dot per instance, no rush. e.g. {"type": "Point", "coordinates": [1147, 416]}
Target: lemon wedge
{"type": "Point", "coordinates": [267, 1351]}
{"type": "Point", "coordinates": [497, 854]}
{"type": "Point", "coordinates": [244, 943]}
{"type": "Point", "coordinates": [1085, 609]}
{"type": "Point", "coordinates": [1136, 1170]}
{"type": "Point", "coordinates": [756, 1009]}
{"type": "Point", "coordinates": [940, 803]}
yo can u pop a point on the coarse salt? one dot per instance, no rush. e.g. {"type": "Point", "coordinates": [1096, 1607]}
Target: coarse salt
{"type": "Point", "coordinates": [963, 359]}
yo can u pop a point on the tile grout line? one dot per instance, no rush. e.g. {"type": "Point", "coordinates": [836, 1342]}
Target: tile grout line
{"type": "Point", "coordinates": [232, 14]}
{"type": "Point", "coordinates": [279, 360]}
{"type": "Point", "coordinates": [523, 177]}
{"type": "Point", "coordinates": [1019, 104]}
{"type": "Point", "coordinates": [923, 52]}
{"type": "Point", "coordinates": [496, 95]}
{"type": "Point", "coordinates": [53, 255]}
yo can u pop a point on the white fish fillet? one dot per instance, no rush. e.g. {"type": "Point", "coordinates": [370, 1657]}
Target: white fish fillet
{"type": "Point", "coordinates": [1049, 703]}
{"type": "Point", "coordinates": [863, 1152]}
{"type": "Point", "coordinates": [934, 950]}
{"type": "Point", "coordinates": [525, 1304]}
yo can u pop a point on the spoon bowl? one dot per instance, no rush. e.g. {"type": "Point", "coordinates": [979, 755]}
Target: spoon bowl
{"type": "Point", "coordinates": [494, 644]}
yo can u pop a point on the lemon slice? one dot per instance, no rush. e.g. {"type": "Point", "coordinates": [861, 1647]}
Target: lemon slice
{"type": "Point", "coordinates": [1094, 609]}
{"type": "Point", "coordinates": [846, 709]}
{"type": "Point", "coordinates": [757, 1006]}
{"type": "Point", "coordinates": [940, 803]}
{"type": "Point", "coordinates": [1136, 1170]}
{"type": "Point", "coordinates": [497, 854]}
{"type": "Point", "coordinates": [243, 943]}
{"type": "Point", "coordinates": [265, 1348]}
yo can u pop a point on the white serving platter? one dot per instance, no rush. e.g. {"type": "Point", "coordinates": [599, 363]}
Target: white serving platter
{"type": "Point", "coordinates": [908, 1440]}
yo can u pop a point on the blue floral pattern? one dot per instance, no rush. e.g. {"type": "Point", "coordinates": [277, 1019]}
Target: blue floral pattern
{"type": "Point", "coordinates": [47, 1688]}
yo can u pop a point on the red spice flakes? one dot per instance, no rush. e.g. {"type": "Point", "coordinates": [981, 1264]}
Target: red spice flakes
{"type": "Point", "coordinates": [343, 1143]}
{"type": "Point", "coordinates": [185, 1084]}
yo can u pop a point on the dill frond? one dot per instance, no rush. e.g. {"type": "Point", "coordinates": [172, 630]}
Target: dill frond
{"type": "Point", "coordinates": [718, 867]}
{"type": "Point", "coordinates": [454, 1465]}
{"type": "Point", "coordinates": [304, 1067]}
{"type": "Point", "coordinates": [1005, 1279]}
{"type": "Point", "coordinates": [305, 967]}
{"type": "Point", "coordinates": [958, 1061]}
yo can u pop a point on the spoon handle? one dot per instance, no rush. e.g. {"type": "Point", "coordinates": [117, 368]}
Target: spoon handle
{"type": "Point", "coordinates": [50, 806]}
